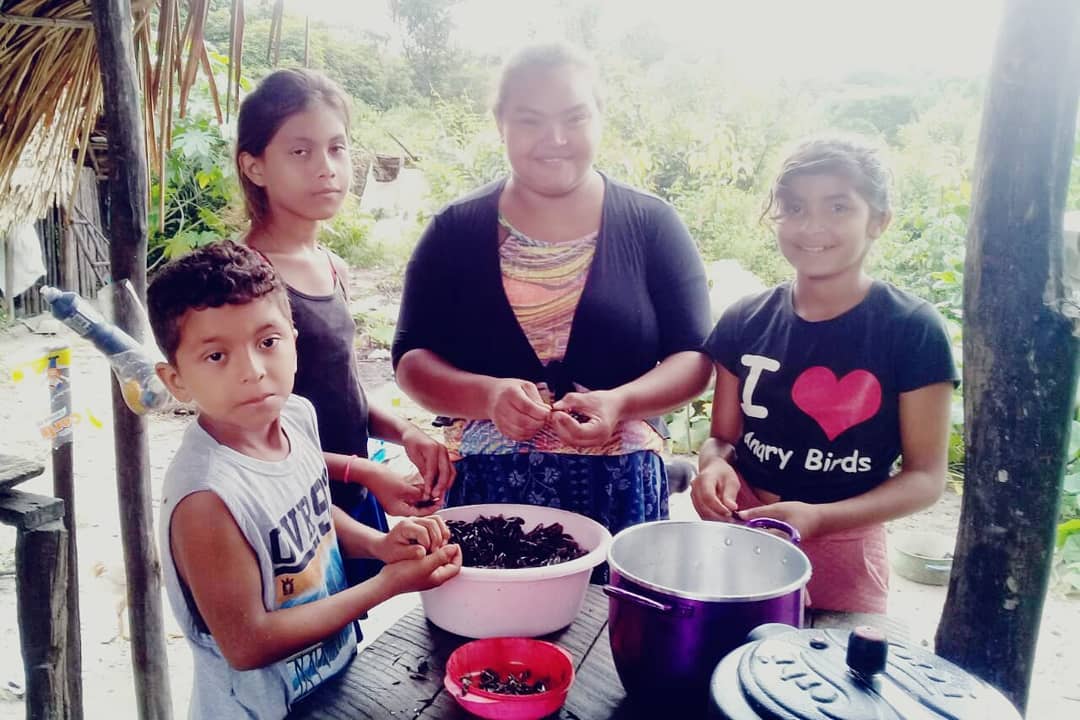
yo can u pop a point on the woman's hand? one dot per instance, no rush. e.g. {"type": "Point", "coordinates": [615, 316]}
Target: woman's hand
{"type": "Point", "coordinates": [412, 538]}
{"type": "Point", "coordinates": [431, 460]}
{"type": "Point", "coordinates": [400, 495]}
{"type": "Point", "coordinates": [804, 517]}
{"type": "Point", "coordinates": [714, 489]}
{"type": "Point", "coordinates": [586, 419]}
{"type": "Point", "coordinates": [421, 572]}
{"type": "Point", "coordinates": [517, 409]}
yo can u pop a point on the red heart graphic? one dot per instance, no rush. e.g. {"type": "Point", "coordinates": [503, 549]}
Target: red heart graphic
{"type": "Point", "coordinates": [837, 405]}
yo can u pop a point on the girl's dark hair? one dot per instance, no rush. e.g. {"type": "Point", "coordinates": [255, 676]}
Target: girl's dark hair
{"type": "Point", "coordinates": [279, 96]}
{"type": "Point", "coordinates": [848, 156]}
{"type": "Point", "coordinates": [543, 56]}
{"type": "Point", "coordinates": [222, 273]}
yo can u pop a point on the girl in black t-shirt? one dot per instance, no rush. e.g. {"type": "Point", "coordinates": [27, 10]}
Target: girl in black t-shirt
{"type": "Point", "coordinates": [823, 381]}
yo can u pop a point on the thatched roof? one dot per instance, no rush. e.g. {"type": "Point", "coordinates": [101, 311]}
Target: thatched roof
{"type": "Point", "coordinates": [50, 89]}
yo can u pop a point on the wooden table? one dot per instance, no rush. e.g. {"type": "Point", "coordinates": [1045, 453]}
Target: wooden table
{"type": "Point", "coordinates": [400, 675]}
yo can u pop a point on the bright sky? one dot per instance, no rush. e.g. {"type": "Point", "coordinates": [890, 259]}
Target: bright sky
{"type": "Point", "coordinates": [775, 36]}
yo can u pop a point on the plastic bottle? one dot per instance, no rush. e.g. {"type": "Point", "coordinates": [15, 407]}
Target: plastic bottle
{"type": "Point", "coordinates": [142, 389]}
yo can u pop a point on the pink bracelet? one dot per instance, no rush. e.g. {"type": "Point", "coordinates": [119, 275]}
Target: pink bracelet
{"type": "Point", "coordinates": [348, 465]}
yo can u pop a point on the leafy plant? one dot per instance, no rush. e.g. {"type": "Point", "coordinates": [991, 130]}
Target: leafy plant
{"type": "Point", "coordinates": [689, 426]}
{"type": "Point", "coordinates": [349, 235]}
{"type": "Point", "coordinates": [197, 184]}
{"type": "Point", "coordinates": [1067, 558]}
{"type": "Point", "coordinates": [375, 328]}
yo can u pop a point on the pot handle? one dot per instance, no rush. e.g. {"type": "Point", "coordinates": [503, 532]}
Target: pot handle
{"type": "Point", "coordinates": [773, 524]}
{"type": "Point", "coordinates": [619, 593]}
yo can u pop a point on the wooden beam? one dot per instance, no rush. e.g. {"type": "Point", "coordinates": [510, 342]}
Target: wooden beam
{"type": "Point", "coordinates": [10, 19]}
{"type": "Point", "coordinates": [127, 257]}
{"type": "Point", "coordinates": [26, 511]}
{"type": "Point", "coordinates": [14, 470]}
{"type": "Point", "coordinates": [1020, 354]}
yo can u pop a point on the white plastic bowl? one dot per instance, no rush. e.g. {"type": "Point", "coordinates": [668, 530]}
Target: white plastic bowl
{"type": "Point", "coordinates": [519, 602]}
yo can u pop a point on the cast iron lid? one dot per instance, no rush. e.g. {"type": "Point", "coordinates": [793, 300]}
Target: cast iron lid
{"type": "Point", "coordinates": [830, 674]}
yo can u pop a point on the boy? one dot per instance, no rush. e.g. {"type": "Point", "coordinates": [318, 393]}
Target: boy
{"type": "Point", "coordinates": [252, 547]}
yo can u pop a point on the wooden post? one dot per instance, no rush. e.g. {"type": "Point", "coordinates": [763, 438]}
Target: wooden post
{"type": "Point", "coordinates": [127, 258]}
{"type": "Point", "coordinates": [41, 568]}
{"type": "Point", "coordinates": [9, 277]}
{"type": "Point", "coordinates": [69, 253]}
{"type": "Point", "coordinates": [63, 467]}
{"type": "Point", "coordinates": [1020, 354]}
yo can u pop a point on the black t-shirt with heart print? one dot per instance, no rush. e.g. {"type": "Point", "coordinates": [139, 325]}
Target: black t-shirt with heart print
{"type": "Point", "coordinates": [820, 400]}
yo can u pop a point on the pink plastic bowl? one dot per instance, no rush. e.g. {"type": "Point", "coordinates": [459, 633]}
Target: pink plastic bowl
{"type": "Point", "coordinates": [505, 655]}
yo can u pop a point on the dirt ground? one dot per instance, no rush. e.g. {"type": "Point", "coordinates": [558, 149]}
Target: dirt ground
{"type": "Point", "coordinates": [107, 677]}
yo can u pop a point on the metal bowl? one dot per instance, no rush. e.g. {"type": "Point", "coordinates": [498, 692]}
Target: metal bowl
{"type": "Point", "coordinates": [923, 557]}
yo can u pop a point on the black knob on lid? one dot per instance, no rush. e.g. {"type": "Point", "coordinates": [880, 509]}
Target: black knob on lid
{"type": "Point", "coordinates": [867, 651]}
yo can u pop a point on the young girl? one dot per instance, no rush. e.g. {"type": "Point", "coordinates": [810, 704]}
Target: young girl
{"type": "Point", "coordinates": [822, 382]}
{"type": "Point", "coordinates": [292, 157]}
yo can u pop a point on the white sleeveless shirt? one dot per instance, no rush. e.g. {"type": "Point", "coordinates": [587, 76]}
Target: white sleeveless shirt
{"type": "Point", "coordinates": [283, 510]}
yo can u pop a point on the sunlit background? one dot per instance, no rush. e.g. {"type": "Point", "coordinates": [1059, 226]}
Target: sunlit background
{"type": "Point", "coordinates": [765, 37]}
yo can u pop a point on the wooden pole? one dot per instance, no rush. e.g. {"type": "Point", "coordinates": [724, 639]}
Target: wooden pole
{"type": "Point", "coordinates": [1020, 354]}
{"type": "Point", "coordinates": [41, 569]}
{"type": "Point", "coordinates": [63, 470]}
{"type": "Point", "coordinates": [127, 258]}
{"type": "Point", "coordinates": [9, 275]}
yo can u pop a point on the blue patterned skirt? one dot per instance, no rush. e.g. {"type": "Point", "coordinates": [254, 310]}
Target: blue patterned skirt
{"type": "Point", "coordinates": [617, 491]}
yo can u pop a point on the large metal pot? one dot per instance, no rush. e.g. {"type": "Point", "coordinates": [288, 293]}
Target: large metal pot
{"type": "Point", "coordinates": [684, 594]}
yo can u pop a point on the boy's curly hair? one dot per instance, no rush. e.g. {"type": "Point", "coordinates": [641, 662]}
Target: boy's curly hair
{"type": "Point", "coordinates": [222, 273]}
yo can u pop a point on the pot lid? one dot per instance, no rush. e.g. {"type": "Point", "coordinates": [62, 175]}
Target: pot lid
{"type": "Point", "coordinates": [828, 674]}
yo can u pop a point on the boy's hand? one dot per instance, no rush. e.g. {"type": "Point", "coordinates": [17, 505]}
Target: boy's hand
{"type": "Point", "coordinates": [713, 491]}
{"type": "Point", "coordinates": [431, 459]}
{"type": "Point", "coordinates": [422, 573]}
{"type": "Point", "coordinates": [586, 419]}
{"type": "Point", "coordinates": [804, 517]}
{"type": "Point", "coordinates": [412, 538]}
{"type": "Point", "coordinates": [517, 409]}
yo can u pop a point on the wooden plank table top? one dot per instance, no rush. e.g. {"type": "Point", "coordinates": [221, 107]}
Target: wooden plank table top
{"type": "Point", "coordinates": [400, 675]}
{"type": "Point", "coordinates": [14, 470]}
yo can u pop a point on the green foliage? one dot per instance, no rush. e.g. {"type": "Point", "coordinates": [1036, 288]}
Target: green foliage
{"type": "Point", "coordinates": [377, 327]}
{"type": "Point", "coordinates": [689, 426]}
{"type": "Point", "coordinates": [349, 235]}
{"type": "Point", "coordinates": [198, 186]}
{"type": "Point", "coordinates": [357, 59]}
{"type": "Point", "coordinates": [1067, 559]}
{"type": "Point", "coordinates": [438, 68]}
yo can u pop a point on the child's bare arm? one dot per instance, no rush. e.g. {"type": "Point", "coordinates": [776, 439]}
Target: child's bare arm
{"type": "Point", "coordinates": [714, 489]}
{"type": "Point", "coordinates": [399, 495]}
{"type": "Point", "coordinates": [220, 568]}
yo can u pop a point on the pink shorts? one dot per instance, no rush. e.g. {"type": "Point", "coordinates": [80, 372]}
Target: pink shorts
{"type": "Point", "coordinates": [850, 568]}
